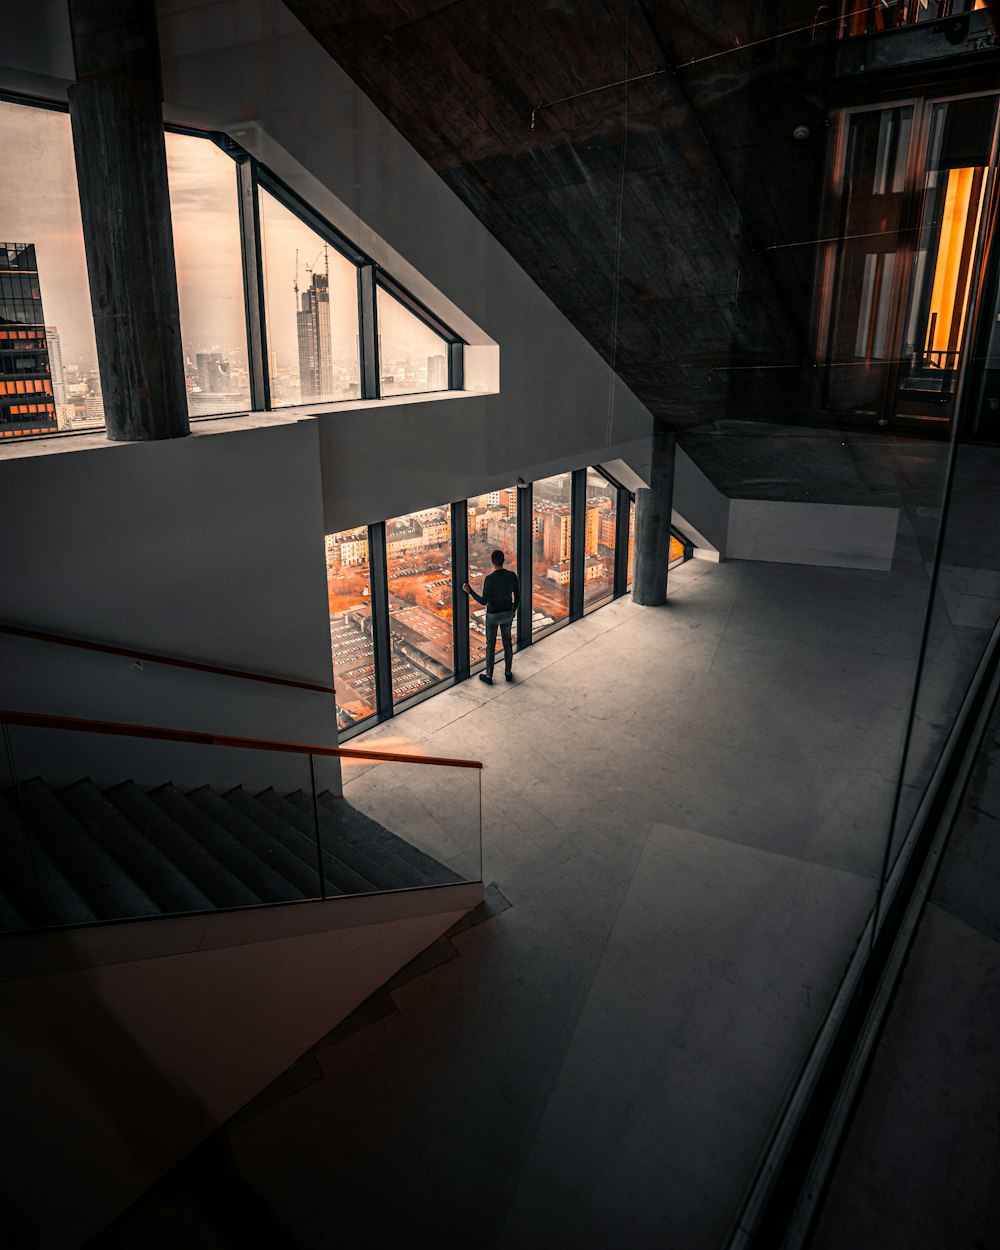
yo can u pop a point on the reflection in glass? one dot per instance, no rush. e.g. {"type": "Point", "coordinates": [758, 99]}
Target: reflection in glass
{"type": "Point", "coordinates": [418, 559]}
{"type": "Point", "coordinates": [412, 358]}
{"type": "Point", "coordinates": [599, 542]}
{"type": "Point", "coordinates": [204, 211]}
{"type": "Point", "coordinates": [492, 521]}
{"type": "Point", "coordinates": [551, 529]}
{"type": "Point", "coordinates": [349, 590]}
{"type": "Point", "coordinates": [311, 296]}
{"type": "Point", "coordinates": [961, 137]}
{"type": "Point", "coordinates": [873, 203]}
{"type": "Point", "coordinates": [40, 208]}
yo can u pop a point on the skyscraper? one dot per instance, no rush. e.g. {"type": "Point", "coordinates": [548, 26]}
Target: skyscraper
{"type": "Point", "coordinates": [27, 405]}
{"type": "Point", "coordinates": [213, 373]}
{"type": "Point", "coordinates": [58, 374]}
{"type": "Point", "coordinates": [315, 343]}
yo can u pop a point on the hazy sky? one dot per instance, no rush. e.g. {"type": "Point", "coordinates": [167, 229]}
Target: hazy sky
{"type": "Point", "coordinates": [39, 204]}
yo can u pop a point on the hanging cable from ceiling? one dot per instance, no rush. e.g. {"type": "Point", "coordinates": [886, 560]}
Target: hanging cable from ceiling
{"type": "Point", "coordinates": [697, 60]}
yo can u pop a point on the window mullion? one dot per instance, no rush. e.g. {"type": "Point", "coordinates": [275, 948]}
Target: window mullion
{"type": "Point", "coordinates": [525, 511]}
{"type": "Point", "coordinates": [368, 338]}
{"type": "Point", "coordinates": [253, 283]}
{"type": "Point", "coordinates": [378, 581]}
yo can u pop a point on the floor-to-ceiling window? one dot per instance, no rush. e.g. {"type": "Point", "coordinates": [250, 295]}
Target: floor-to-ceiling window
{"type": "Point", "coordinates": [348, 582]}
{"type": "Point", "coordinates": [600, 541]}
{"type": "Point", "coordinates": [418, 566]}
{"type": "Point", "coordinates": [551, 549]}
{"type": "Point", "coordinates": [492, 526]}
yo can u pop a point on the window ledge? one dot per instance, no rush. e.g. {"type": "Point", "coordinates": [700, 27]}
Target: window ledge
{"type": "Point", "coordinates": [202, 427]}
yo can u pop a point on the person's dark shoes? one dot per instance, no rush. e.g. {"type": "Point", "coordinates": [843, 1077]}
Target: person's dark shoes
{"type": "Point", "coordinates": [488, 680]}
{"type": "Point", "coordinates": [508, 676]}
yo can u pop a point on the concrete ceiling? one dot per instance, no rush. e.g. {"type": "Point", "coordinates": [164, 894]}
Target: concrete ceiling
{"type": "Point", "coordinates": [649, 213]}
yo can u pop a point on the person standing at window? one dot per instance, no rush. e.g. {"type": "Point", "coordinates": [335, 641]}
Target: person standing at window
{"type": "Point", "coordinates": [501, 596]}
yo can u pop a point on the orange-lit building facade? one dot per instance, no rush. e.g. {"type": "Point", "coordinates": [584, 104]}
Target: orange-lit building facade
{"type": "Point", "coordinates": [27, 405]}
{"type": "Point", "coordinates": [906, 306]}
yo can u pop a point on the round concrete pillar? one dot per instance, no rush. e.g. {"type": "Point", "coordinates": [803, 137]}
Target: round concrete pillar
{"type": "Point", "coordinates": [653, 508]}
{"type": "Point", "coordinates": [116, 112]}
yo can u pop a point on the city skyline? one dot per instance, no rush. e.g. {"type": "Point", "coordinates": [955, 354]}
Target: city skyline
{"type": "Point", "coordinates": [39, 203]}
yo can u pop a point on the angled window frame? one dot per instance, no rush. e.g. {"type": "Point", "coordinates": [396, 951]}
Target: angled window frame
{"type": "Point", "coordinates": [251, 177]}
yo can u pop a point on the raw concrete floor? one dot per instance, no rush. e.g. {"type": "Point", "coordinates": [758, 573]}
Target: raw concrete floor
{"type": "Point", "coordinates": [687, 808]}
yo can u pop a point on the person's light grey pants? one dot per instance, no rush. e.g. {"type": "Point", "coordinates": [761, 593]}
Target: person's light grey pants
{"type": "Point", "coordinates": [501, 621]}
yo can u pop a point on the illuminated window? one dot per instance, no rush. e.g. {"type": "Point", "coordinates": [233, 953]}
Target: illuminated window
{"type": "Point", "coordinates": [492, 522]}
{"type": "Point", "coordinates": [205, 213]}
{"type": "Point", "coordinates": [349, 590]}
{"type": "Point", "coordinates": [552, 529]}
{"type": "Point", "coordinates": [418, 562]}
{"type": "Point", "coordinates": [600, 538]}
{"type": "Point", "coordinates": [311, 297]}
{"type": "Point", "coordinates": [412, 357]}
{"type": "Point", "coordinates": [954, 189]}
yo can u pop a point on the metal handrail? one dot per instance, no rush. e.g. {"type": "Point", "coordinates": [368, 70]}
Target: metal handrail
{"type": "Point", "coordinates": [43, 720]}
{"type": "Point", "coordinates": [152, 657]}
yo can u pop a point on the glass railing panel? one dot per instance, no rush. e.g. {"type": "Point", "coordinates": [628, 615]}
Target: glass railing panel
{"type": "Point", "coordinates": [418, 824]}
{"type": "Point", "coordinates": [96, 828]}
{"type": "Point", "coordinates": [964, 612]}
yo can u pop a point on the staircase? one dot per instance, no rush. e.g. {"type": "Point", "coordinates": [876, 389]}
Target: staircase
{"type": "Point", "coordinates": [92, 855]}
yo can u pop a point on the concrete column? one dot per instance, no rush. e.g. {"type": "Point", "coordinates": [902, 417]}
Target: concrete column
{"type": "Point", "coordinates": [116, 111]}
{"type": "Point", "coordinates": [653, 507]}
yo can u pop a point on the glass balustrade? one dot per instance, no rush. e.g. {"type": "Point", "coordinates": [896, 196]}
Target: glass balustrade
{"type": "Point", "coordinates": [118, 825]}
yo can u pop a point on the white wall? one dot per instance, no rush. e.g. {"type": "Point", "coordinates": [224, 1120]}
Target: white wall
{"type": "Point", "coordinates": [255, 72]}
{"type": "Point", "coordinates": [207, 548]}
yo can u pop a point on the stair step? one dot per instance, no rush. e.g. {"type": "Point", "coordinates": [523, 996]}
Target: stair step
{"type": "Point", "coordinates": [349, 878]}
{"type": "Point", "coordinates": [25, 873]}
{"type": "Point", "coordinates": [287, 834]}
{"type": "Point", "coordinates": [94, 873]}
{"type": "Point", "coordinates": [370, 858]}
{"type": "Point", "coordinates": [366, 829]}
{"type": "Point", "coordinates": [270, 849]}
{"type": "Point", "coordinates": [263, 878]}
{"type": "Point", "coordinates": [146, 865]}
{"type": "Point", "coordinates": [170, 836]}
